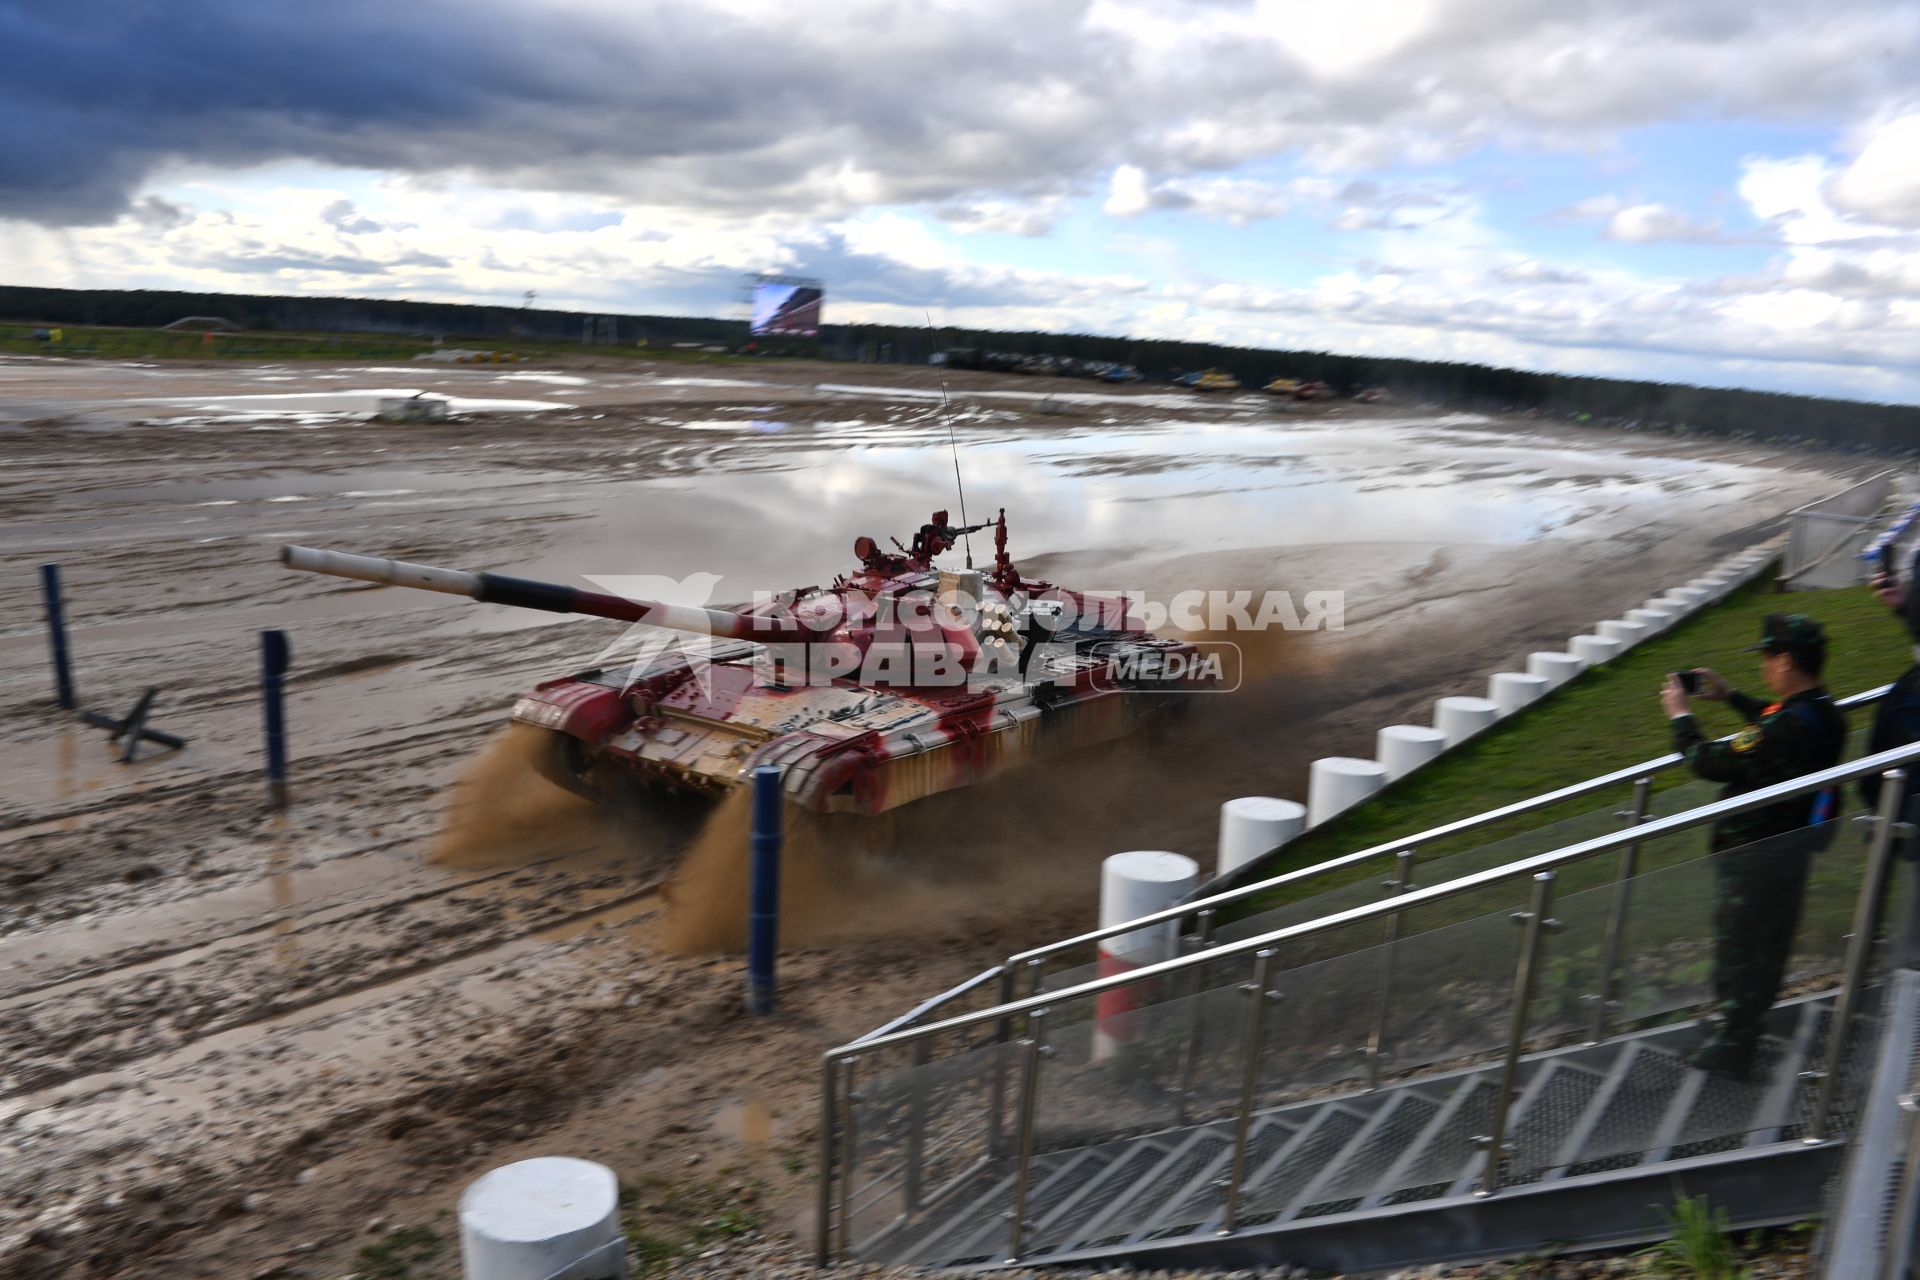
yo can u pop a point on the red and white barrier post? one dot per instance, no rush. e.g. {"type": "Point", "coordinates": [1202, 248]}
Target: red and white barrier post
{"type": "Point", "coordinates": [1133, 885]}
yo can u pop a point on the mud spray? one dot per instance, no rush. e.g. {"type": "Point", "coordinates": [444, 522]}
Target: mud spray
{"type": "Point", "coordinates": [1015, 858]}
{"type": "Point", "coordinates": [1019, 852]}
{"type": "Point", "coordinates": [502, 811]}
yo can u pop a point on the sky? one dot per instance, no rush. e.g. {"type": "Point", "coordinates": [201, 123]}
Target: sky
{"type": "Point", "coordinates": [1723, 192]}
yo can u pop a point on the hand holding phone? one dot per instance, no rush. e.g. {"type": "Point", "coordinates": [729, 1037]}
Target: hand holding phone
{"type": "Point", "coordinates": [1689, 682]}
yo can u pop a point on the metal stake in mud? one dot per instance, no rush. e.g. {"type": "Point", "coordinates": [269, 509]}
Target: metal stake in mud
{"type": "Point", "coordinates": [275, 656]}
{"type": "Point", "coordinates": [57, 634]}
{"type": "Point", "coordinates": [763, 893]}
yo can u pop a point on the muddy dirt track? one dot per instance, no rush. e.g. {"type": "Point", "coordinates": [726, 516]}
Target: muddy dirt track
{"type": "Point", "coordinates": [230, 1039]}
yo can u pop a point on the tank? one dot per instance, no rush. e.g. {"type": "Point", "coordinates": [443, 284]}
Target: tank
{"type": "Point", "coordinates": [898, 680]}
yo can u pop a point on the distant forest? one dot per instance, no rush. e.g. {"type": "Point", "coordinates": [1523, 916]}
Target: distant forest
{"type": "Point", "coordinates": [1843, 424]}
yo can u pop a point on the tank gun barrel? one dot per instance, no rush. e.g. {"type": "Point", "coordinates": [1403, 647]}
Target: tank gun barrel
{"type": "Point", "coordinates": [527, 593]}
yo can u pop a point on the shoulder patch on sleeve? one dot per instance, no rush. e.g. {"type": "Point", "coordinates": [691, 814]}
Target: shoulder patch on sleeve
{"type": "Point", "coordinates": [1747, 739]}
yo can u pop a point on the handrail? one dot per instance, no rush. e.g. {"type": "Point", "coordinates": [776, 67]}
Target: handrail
{"type": "Point", "coordinates": [933, 1002]}
{"type": "Point", "coordinates": [1523, 868]}
{"type": "Point", "coordinates": [1544, 800]}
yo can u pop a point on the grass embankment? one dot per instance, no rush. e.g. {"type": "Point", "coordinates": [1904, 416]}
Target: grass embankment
{"type": "Point", "coordinates": [1604, 719]}
{"type": "Point", "coordinates": [101, 342]}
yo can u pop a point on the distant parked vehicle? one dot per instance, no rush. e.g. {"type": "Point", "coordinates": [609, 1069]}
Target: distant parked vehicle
{"type": "Point", "coordinates": [1216, 380]}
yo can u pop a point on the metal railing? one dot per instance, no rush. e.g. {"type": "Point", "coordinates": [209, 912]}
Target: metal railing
{"type": "Point", "coordinates": [1199, 914]}
{"type": "Point", "coordinates": [994, 1060]}
{"type": "Point", "coordinates": [1824, 536]}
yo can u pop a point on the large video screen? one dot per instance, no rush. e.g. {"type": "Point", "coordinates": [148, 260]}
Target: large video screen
{"type": "Point", "coordinates": [788, 309]}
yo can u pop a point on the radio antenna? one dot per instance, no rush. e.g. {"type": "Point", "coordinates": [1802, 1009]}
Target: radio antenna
{"type": "Point", "coordinates": [953, 443]}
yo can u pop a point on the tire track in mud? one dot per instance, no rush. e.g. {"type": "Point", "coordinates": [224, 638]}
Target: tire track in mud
{"type": "Point", "coordinates": [187, 1039]}
{"type": "Point", "coordinates": [377, 1075]}
{"type": "Point", "coordinates": [315, 772]}
{"type": "Point", "coordinates": [315, 914]}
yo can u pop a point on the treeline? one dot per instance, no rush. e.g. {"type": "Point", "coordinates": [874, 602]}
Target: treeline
{"type": "Point", "coordinates": [151, 308]}
{"type": "Point", "coordinates": [1642, 405]}
{"type": "Point", "coordinates": [1653, 406]}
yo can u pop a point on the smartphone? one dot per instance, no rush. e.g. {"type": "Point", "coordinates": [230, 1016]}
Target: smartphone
{"type": "Point", "coordinates": [1689, 682]}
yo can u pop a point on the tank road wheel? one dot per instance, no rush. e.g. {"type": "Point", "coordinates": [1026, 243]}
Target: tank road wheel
{"type": "Point", "coordinates": [563, 761]}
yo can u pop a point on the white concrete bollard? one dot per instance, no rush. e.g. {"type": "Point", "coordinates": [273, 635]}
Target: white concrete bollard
{"type": "Point", "coordinates": [1687, 595]}
{"type": "Point", "coordinates": [1558, 668]}
{"type": "Point", "coordinates": [1337, 783]}
{"type": "Point", "coordinates": [1132, 885]}
{"type": "Point", "coordinates": [1402, 748]}
{"type": "Point", "coordinates": [1627, 633]}
{"type": "Point", "coordinates": [1656, 619]}
{"type": "Point", "coordinates": [1512, 690]}
{"type": "Point", "coordinates": [1253, 826]}
{"type": "Point", "coordinates": [1594, 650]}
{"type": "Point", "coordinates": [537, 1218]}
{"type": "Point", "coordinates": [1460, 717]}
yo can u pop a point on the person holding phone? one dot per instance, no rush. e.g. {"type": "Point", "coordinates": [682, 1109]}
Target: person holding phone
{"type": "Point", "coordinates": [1760, 884]}
{"type": "Point", "coordinates": [1896, 722]}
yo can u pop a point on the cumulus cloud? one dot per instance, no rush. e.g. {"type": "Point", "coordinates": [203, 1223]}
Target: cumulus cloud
{"type": "Point", "coordinates": [1883, 182]}
{"type": "Point", "coordinates": [1532, 272]}
{"type": "Point", "coordinates": [1651, 223]}
{"type": "Point", "coordinates": [1238, 201]}
{"type": "Point", "coordinates": [1006, 217]}
{"type": "Point", "coordinates": [1592, 209]}
{"type": "Point", "coordinates": [1128, 194]}
{"type": "Point", "coordinates": [342, 216]}
{"type": "Point", "coordinates": [754, 104]}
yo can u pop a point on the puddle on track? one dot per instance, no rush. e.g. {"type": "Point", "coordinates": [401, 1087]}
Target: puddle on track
{"type": "Point", "coordinates": [779, 503]}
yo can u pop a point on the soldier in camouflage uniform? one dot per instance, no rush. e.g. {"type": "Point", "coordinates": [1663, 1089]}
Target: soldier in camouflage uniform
{"type": "Point", "coordinates": [1760, 887]}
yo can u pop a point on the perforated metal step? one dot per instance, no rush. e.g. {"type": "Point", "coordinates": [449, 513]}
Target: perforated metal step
{"type": "Point", "coordinates": [1388, 1165]}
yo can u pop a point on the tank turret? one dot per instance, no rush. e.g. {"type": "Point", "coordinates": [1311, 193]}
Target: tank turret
{"type": "Point", "coordinates": [898, 680]}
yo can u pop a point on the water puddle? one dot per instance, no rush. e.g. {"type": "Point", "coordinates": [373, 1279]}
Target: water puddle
{"type": "Point", "coordinates": [773, 508]}
{"type": "Point", "coordinates": [1142, 400]}
{"type": "Point", "coordinates": [340, 403]}
{"type": "Point", "coordinates": [552, 379]}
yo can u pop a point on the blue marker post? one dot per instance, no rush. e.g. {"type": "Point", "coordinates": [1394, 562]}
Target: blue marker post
{"type": "Point", "coordinates": [275, 655]}
{"type": "Point", "coordinates": [763, 894]}
{"type": "Point", "coordinates": [57, 634]}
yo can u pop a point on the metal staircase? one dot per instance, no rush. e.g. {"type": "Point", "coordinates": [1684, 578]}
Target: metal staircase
{"type": "Point", "coordinates": [1410, 1080]}
{"type": "Point", "coordinates": [1396, 1175]}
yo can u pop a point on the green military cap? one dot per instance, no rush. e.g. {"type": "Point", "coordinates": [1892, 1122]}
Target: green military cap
{"type": "Point", "coordinates": [1783, 632]}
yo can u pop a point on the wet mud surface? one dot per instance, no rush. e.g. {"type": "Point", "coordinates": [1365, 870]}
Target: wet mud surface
{"type": "Point", "coordinates": [226, 1034]}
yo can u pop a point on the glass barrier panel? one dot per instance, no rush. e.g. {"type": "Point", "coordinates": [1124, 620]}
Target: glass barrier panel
{"type": "Point", "coordinates": [1134, 1068]}
{"type": "Point", "coordinates": [1451, 995]}
{"type": "Point", "coordinates": [1359, 893]}
{"type": "Point", "coordinates": [918, 1129]}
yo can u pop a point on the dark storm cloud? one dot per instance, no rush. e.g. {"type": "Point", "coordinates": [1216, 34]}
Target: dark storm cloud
{"type": "Point", "coordinates": [818, 109]}
{"type": "Point", "coordinates": [676, 105]}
